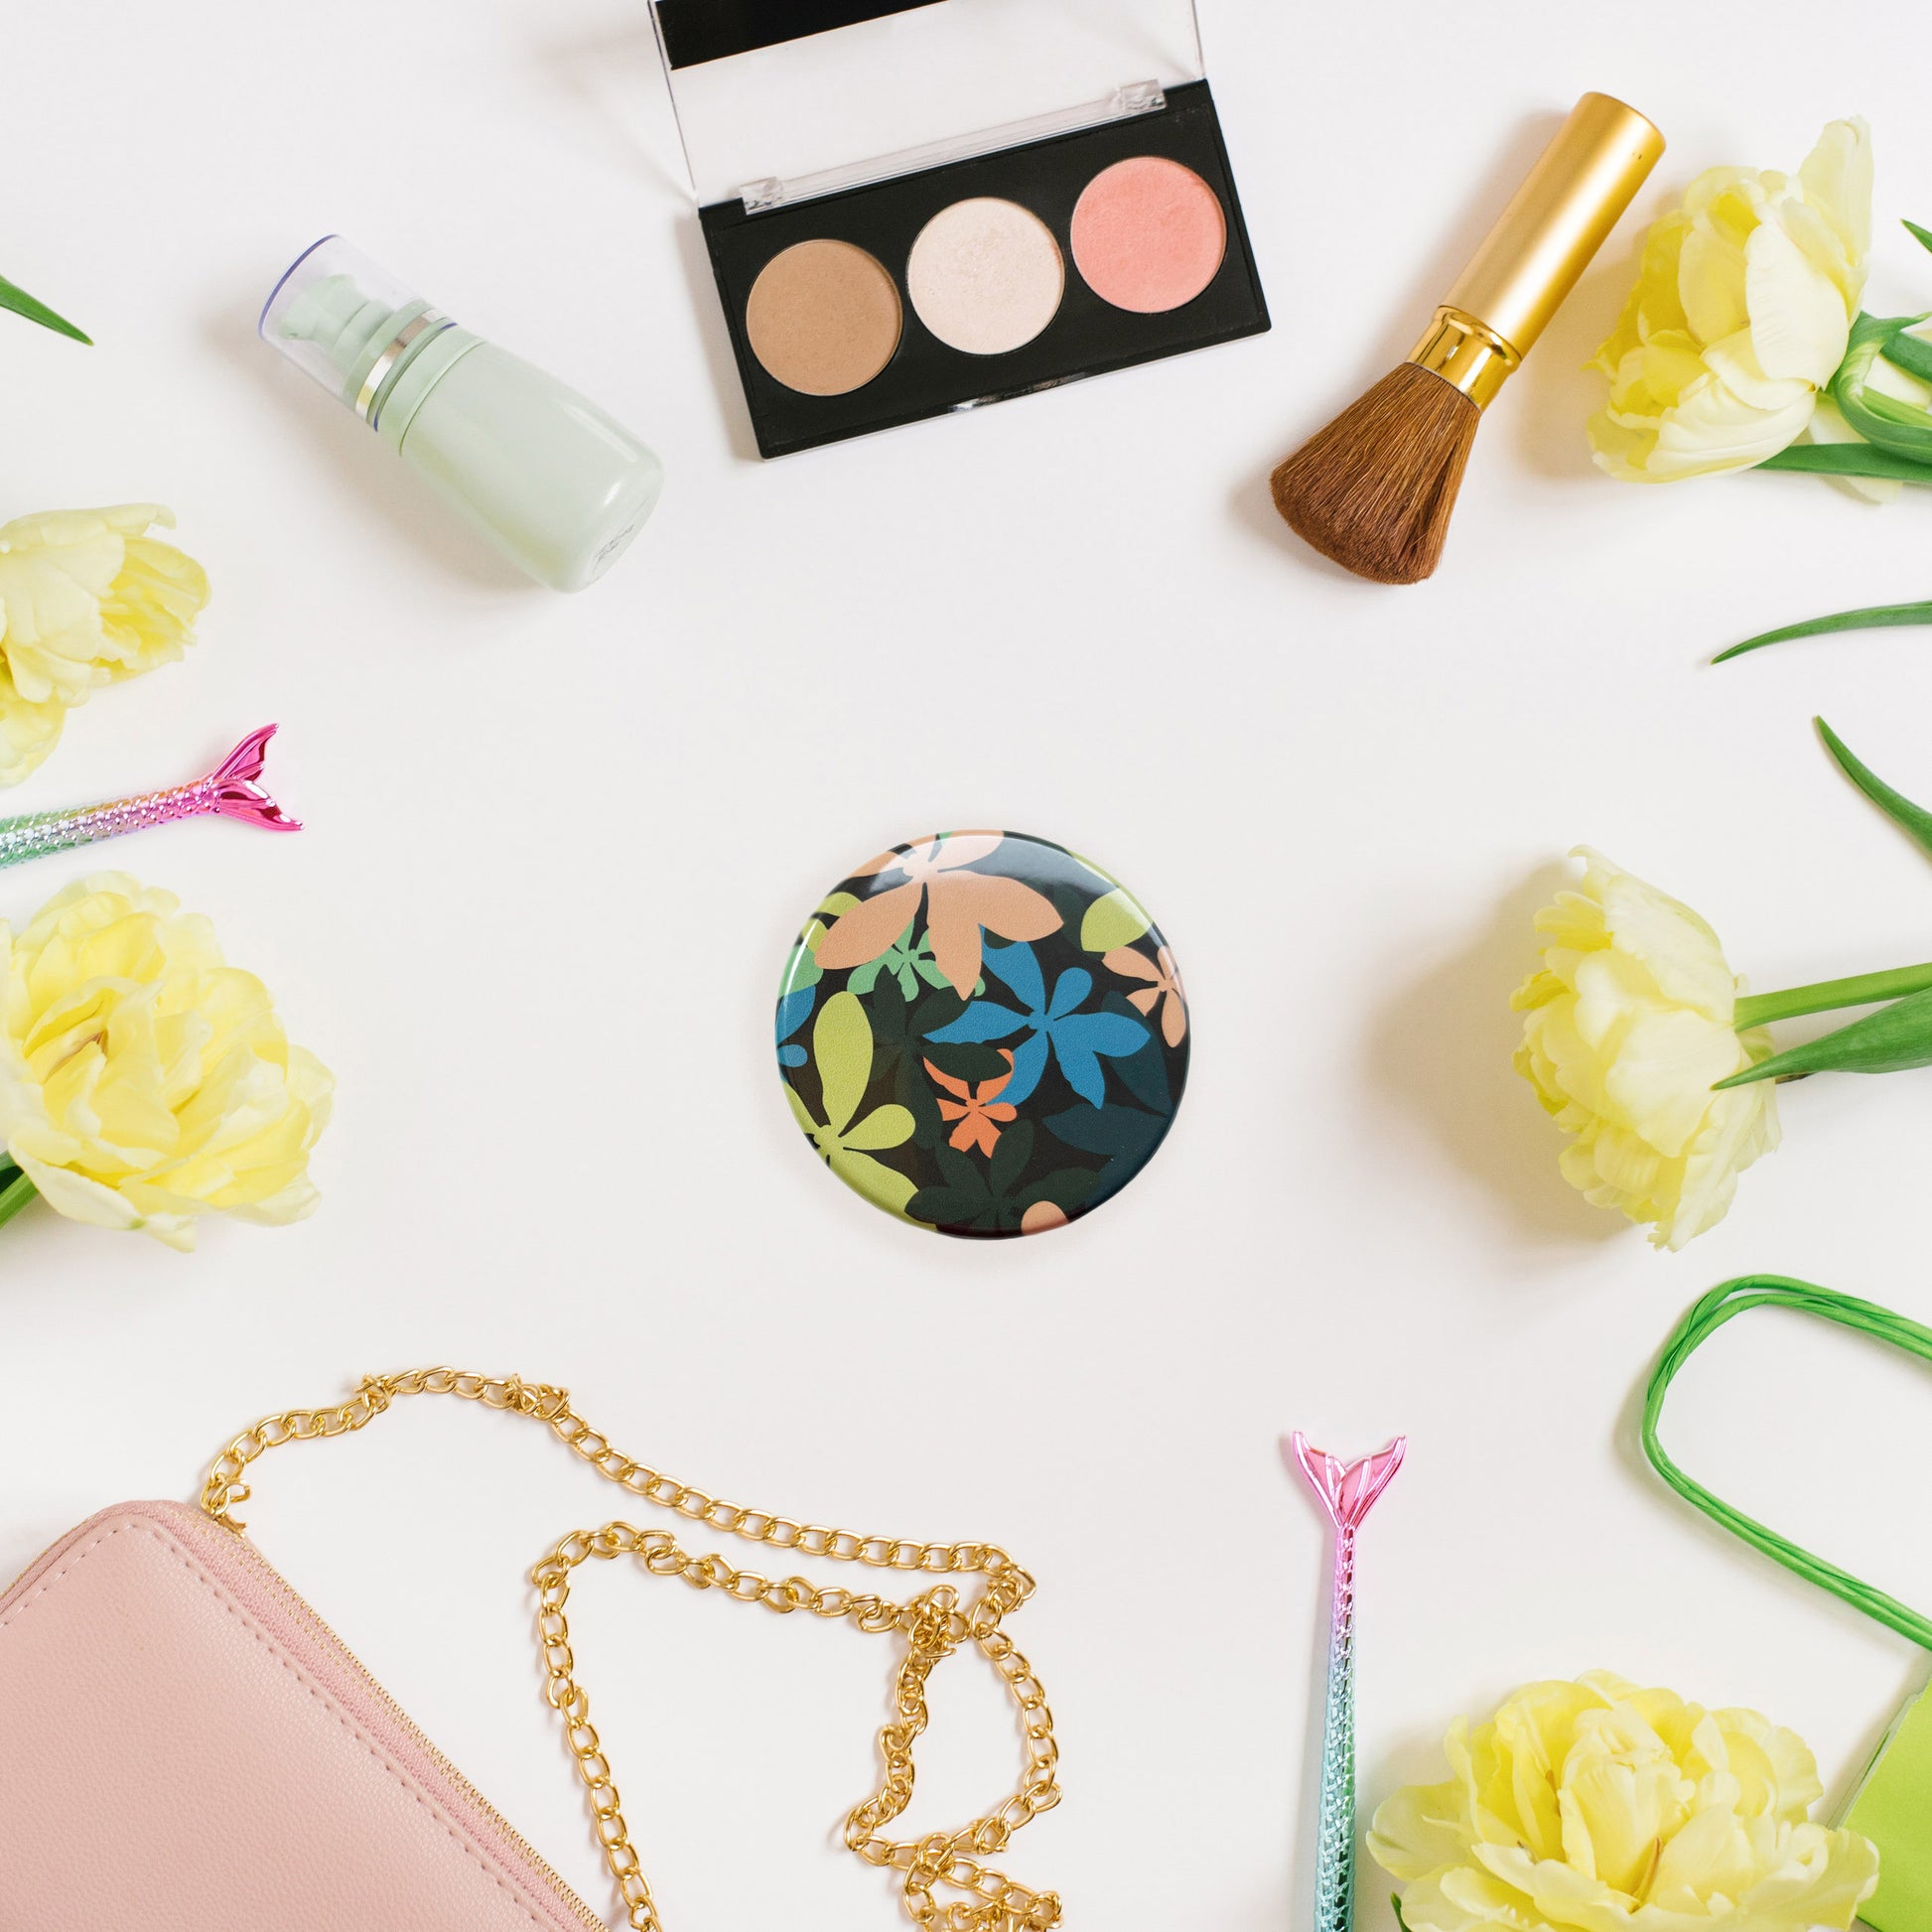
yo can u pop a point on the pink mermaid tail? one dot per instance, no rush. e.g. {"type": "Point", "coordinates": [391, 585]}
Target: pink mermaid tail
{"type": "Point", "coordinates": [230, 788]}
{"type": "Point", "coordinates": [1347, 1489]}
{"type": "Point", "coordinates": [230, 791]}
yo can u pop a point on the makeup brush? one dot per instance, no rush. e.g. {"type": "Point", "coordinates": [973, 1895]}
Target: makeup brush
{"type": "Point", "coordinates": [1374, 490]}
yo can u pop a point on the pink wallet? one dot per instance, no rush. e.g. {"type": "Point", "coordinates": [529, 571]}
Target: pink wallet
{"type": "Point", "coordinates": [187, 1746]}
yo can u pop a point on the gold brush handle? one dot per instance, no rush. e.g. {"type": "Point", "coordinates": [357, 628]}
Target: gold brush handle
{"type": "Point", "coordinates": [1540, 246]}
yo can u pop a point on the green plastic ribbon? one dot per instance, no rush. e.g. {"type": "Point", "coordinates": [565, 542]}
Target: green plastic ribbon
{"type": "Point", "coordinates": [1725, 1304]}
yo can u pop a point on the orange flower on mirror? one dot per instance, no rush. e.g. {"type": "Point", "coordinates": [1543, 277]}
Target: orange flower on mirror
{"type": "Point", "coordinates": [1164, 991]}
{"type": "Point", "coordinates": [957, 905]}
{"type": "Point", "coordinates": [978, 1112]}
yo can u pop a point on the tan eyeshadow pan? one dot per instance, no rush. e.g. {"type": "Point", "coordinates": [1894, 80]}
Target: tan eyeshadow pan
{"type": "Point", "coordinates": [824, 317]}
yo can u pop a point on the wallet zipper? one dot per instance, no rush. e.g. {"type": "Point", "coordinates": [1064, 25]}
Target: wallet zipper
{"type": "Point", "coordinates": [467, 1791]}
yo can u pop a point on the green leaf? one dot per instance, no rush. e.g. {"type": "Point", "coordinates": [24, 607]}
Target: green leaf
{"type": "Point", "coordinates": [1117, 919]}
{"type": "Point", "coordinates": [1913, 354]}
{"type": "Point", "coordinates": [23, 304]}
{"type": "Point", "coordinates": [1915, 819]}
{"type": "Point", "coordinates": [1891, 1040]}
{"type": "Point", "coordinates": [1395, 1899]}
{"type": "Point", "coordinates": [1918, 234]}
{"type": "Point", "coordinates": [1874, 617]}
{"type": "Point", "coordinates": [1902, 427]}
{"type": "Point", "coordinates": [1849, 459]}
{"type": "Point", "coordinates": [16, 1190]}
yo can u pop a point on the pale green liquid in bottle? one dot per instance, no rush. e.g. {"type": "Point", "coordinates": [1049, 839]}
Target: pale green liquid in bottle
{"type": "Point", "coordinates": [559, 487]}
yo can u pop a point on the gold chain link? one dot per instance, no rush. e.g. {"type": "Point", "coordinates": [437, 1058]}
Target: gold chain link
{"type": "Point", "coordinates": [934, 1623]}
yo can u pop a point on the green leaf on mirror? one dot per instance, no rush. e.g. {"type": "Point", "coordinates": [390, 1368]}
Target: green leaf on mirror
{"type": "Point", "coordinates": [1116, 920]}
{"type": "Point", "coordinates": [1891, 1040]}
{"type": "Point", "coordinates": [23, 304]}
{"type": "Point", "coordinates": [1874, 617]}
{"type": "Point", "coordinates": [1915, 819]}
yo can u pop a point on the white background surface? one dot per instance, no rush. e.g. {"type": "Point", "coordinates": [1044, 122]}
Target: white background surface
{"type": "Point", "coordinates": [557, 848]}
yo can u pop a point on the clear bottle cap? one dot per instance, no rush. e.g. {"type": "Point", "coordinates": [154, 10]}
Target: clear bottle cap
{"type": "Point", "coordinates": [348, 322]}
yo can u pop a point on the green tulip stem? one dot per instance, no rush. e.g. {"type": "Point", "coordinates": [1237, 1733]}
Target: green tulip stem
{"type": "Point", "coordinates": [1825, 996]}
{"type": "Point", "coordinates": [16, 1190]}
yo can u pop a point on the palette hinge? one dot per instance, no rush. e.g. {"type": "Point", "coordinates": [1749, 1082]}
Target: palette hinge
{"type": "Point", "coordinates": [1136, 97]}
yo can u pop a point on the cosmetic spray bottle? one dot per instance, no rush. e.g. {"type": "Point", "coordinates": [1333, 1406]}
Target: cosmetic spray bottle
{"type": "Point", "coordinates": [555, 484]}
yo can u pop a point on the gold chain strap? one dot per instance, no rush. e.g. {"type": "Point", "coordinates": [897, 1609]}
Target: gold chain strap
{"type": "Point", "coordinates": [935, 1623]}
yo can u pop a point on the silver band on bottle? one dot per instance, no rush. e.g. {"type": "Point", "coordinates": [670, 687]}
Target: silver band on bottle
{"type": "Point", "coordinates": [429, 323]}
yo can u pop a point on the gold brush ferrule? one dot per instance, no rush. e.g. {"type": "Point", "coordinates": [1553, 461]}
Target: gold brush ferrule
{"type": "Point", "coordinates": [1540, 246]}
{"type": "Point", "coordinates": [1467, 355]}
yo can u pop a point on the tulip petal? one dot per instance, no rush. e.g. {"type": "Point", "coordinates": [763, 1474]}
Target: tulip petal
{"type": "Point", "coordinates": [1711, 282]}
{"type": "Point", "coordinates": [1837, 180]}
{"type": "Point", "coordinates": [1799, 322]}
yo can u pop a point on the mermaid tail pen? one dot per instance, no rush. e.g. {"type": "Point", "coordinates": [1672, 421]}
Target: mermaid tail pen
{"type": "Point", "coordinates": [1348, 1492]}
{"type": "Point", "coordinates": [230, 791]}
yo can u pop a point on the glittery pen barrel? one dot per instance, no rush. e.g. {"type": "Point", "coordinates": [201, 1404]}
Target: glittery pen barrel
{"type": "Point", "coordinates": [1347, 1492]}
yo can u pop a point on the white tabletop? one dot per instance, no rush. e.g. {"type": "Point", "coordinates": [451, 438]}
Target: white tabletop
{"type": "Point", "coordinates": [557, 848]}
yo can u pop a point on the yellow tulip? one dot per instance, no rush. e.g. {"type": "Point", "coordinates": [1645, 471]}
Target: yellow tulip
{"type": "Point", "coordinates": [1741, 315]}
{"type": "Point", "coordinates": [1599, 1807]}
{"type": "Point", "coordinates": [86, 596]}
{"type": "Point", "coordinates": [1629, 1023]}
{"type": "Point", "coordinates": [143, 1081]}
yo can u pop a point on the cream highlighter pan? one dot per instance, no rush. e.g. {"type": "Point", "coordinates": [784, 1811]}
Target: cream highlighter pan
{"type": "Point", "coordinates": [985, 275]}
{"type": "Point", "coordinates": [1149, 235]}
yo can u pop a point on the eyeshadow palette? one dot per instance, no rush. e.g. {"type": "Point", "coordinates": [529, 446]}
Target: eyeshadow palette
{"type": "Point", "coordinates": [1068, 219]}
{"type": "Point", "coordinates": [988, 278]}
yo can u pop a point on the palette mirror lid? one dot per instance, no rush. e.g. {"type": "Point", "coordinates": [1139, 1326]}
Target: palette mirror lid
{"type": "Point", "coordinates": [784, 100]}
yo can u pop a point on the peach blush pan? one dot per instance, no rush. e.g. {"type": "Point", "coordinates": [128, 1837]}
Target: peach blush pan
{"type": "Point", "coordinates": [1149, 235]}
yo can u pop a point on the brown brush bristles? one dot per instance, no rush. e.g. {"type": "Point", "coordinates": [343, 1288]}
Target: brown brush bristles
{"type": "Point", "coordinates": [1375, 490]}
